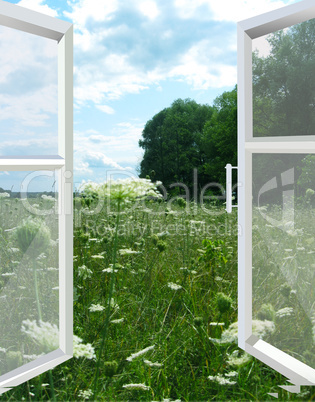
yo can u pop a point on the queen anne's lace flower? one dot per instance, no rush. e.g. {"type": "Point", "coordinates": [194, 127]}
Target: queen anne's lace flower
{"type": "Point", "coordinates": [117, 321]}
{"type": "Point", "coordinates": [220, 379]}
{"type": "Point", "coordinates": [174, 286]}
{"type": "Point", "coordinates": [284, 312]}
{"type": "Point", "coordinates": [151, 364]}
{"type": "Point", "coordinates": [47, 336]}
{"type": "Point", "coordinates": [96, 307]}
{"type": "Point", "coordinates": [237, 361]}
{"type": "Point", "coordinates": [141, 352]}
{"type": "Point", "coordinates": [82, 349]}
{"type": "Point", "coordinates": [123, 189]}
{"type": "Point", "coordinates": [260, 329]}
{"type": "Point", "coordinates": [86, 394]}
{"type": "Point", "coordinates": [128, 251]}
{"type": "Point", "coordinates": [137, 386]}
{"type": "Point", "coordinates": [84, 272]}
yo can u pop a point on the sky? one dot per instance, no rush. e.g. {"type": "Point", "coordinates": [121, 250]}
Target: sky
{"type": "Point", "coordinates": [132, 58]}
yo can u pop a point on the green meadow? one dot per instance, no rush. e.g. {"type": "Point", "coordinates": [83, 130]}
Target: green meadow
{"type": "Point", "coordinates": [155, 305]}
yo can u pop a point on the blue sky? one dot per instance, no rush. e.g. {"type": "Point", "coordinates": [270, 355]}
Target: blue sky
{"type": "Point", "coordinates": [132, 58]}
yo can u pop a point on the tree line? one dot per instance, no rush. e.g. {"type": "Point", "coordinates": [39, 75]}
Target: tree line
{"type": "Point", "coordinates": [188, 135]}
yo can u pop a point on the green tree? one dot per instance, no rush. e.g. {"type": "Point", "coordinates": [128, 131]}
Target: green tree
{"type": "Point", "coordinates": [171, 142]}
{"type": "Point", "coordinates": [284, 84]}
{"type": "Point", "coordinates": [219, 139]}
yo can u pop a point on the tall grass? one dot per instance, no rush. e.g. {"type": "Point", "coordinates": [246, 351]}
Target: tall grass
{"type": "Point", "coordinates": [153, 291]}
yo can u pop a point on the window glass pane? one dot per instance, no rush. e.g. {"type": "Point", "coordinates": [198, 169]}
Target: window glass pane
{"type": "Point", "coordinates": [28, 94]}
{"type": "Point", "coordinates": [283, 251]}
{"type": "Point", "coordinates": [29, 296]}
{"type": "Point", "coordinates": [284, 82]}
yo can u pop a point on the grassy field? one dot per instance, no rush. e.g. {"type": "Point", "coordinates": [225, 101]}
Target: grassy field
{"type": "Point", "coordinates": [155, 307]}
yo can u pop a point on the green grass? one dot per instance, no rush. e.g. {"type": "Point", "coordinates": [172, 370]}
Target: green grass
{"type": "Point", "coordinates": [170, 249]}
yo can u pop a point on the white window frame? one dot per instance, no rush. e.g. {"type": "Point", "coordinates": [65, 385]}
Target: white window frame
{"type": "Point", "coordinates": [247, 30]}
{"type": "Point", "coordinates": [26, 20]}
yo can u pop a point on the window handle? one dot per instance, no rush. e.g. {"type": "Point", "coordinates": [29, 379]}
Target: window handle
{"type": "Point", "coordinates": [228, 191]}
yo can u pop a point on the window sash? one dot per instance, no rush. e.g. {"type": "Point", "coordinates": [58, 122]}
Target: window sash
{"type": "Point", "coordinates": [26, 20]}
{"type": "Point", "coordinates": [247, 145]}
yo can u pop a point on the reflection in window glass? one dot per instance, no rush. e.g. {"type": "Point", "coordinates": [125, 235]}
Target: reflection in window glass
{"type": "Point", "coordinates": [284, 249]}
{"type": "Point", "coordinates": [28, 94]}
{"type": "Point", "coordinates": [29, 296]}
{"type": "Point", "coordinates": [284, 83]}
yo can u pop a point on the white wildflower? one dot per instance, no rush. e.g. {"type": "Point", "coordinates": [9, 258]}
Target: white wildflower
{"type": "Point", "coordinates": [82, 349]}
{"type": "Point", "coordinates": [259, 328]}
{"type": "Point", "coordinates": [55, 288]}
{"type": "Point", "coordinates": [117, 321]}
{"type": "Point", "coordinates": [47, 336]}
{"type": "Point", "coordinates": [214, 324]}
{"type": "Point", "coordinates": [45, 384]}
{"type": "Point", "coordinates": [113, 304]}
{"type": "Point", "coordinates": [151, 364]}
{"type": "Point", "coordinates": [3, 350]}
{"type": "Point", "coordinates": [140, 353]}
{"type": "Point", "coordinates": [284, 312]}
{"type": "Point", "coordinates": [123, 189]}
{"type": "Point", "coordinates": [9, 274]}
{"type": "Point", "coordinates": [4, 195]}
{"type": "Point", "coordinates": [86, 394]}
{"type": "Point", "coordinates": [128, 251]}
{"type": "Point", "coordinates": [32, 357]}
{"type": "Point", "coordinates": [231, 374]}
{"type": "Point", "coordinates": [48, 197]}
{"type": "Point", "coordinates": [174, 286]}
{"type": "Point", "coordinates": [236, 360]}
{"type": "Point", "coordinates": [98, 256]}
{"type": "Point", "coordinates": [263, 328]}
{"type": "Point", "coordinates": [110, 270]}
{"type": "Point", "coordinates": [221, 380]}
{"type": "Point", "coordinates": [136, 386]}
{"type": "Point", "coordinates": [14, 249]}
{"type": "Point", "coordinates": [84, 272]}
{"type": "Point", "coordinates": [96, 307]}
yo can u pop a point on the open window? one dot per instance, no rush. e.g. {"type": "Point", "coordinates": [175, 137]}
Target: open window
{"type": "Point", "coordinates": [36, 164]}
{"type": "Point", "coordinates": [276, 166]}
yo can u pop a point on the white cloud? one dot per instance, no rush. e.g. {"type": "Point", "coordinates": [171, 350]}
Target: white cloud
{"type": "Point", "coordinates": [116, 56]}
{"type": "Point", "coordinates": [28, 80]}
{"type": "Point", "coordinates": [37, 5]}
{"type": "Point", "coordinates": [95, 153]}
{"type": "Point", "coordinates": [29, 144]}
{"type": "Point", "coordinates": [226, 10]}
{"type": "Point", "coordinates": [149, 9]}
{"type": "Point", "coordinates": [106, 109]}
{"type": "Point", "coordinates": [99, 160]}
{"type": "Point", "coordinates": [84, 10]}
{"type": "Point", "coordinates": [229, 10]}
{"type": "Point", "coordinates": [33, 109]}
